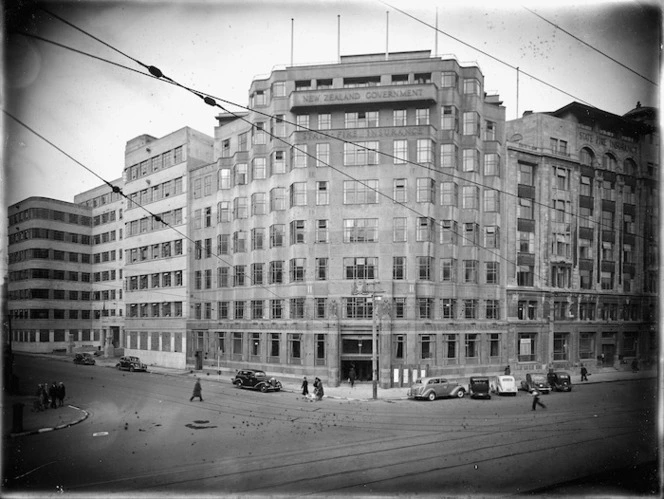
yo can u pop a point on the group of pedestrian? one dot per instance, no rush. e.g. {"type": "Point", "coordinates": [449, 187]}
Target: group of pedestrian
{"type": "Point", "coordinates": [52, 396]}
{"type": "Point", "coordinates": [318, 388]}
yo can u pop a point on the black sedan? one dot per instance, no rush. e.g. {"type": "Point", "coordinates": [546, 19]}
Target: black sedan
{"type": "Point", "coordinates": [85, 359]}
{"type": "Point", "coordinates": [256, 380]}
{"type": "Point", "coordinates": [131, 364]}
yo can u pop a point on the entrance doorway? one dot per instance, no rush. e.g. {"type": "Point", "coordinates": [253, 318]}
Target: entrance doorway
{"type": "Point", "coordinates": [609, 352]}
{"type": "Point", "coordinates": [363, 369]}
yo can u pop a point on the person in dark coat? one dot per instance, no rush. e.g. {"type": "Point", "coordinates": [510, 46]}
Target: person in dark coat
{"type": "Point", "coordinates": [318, 389]}
{"type": "Point", "coordinates": [351, 376]}
{"type": "Point", "coordinates": [508, 370]}
{"type": "Point", "coordinates": [536, 400]}
{"type": "Point", "coordinates": [305, 387]}
{"type": "Point", "coordinates": [61, 393]}
{"type": "Point", "coordinates": [53, 395]}
{"type": "Point", "coordinates": [584, 373]}
{"type": "Point", "coordinates": [198, 391]}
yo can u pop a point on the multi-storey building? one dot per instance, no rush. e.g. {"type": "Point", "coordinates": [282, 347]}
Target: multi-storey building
{"type": "Point", "coordinates": [375, 174]}
{"type": "Point", "coordinates": [157, 243]}
{"type": "Point", "coordinates": [50, 275]}
{"type": "Point", "coordinates": [375, 194]}
{"type": "Point", "coordinates": [582, 241]}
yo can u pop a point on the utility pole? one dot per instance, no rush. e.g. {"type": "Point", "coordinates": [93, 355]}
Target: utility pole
{"type": "Point", "coordinates": [375, 296]}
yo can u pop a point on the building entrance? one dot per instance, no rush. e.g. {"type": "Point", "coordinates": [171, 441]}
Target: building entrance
{"type": "Point", "coordinates": [362, 369]}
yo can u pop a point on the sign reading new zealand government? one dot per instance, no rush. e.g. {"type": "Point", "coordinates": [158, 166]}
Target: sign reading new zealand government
{"type": "Point", "coordinates": [608, 142]}
{"type": "Point", "coordinates": [347, 96]}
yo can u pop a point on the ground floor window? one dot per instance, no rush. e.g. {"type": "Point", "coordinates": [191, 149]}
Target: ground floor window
{"type": "Point", "coordinates": [237, 346]}
{"type": "Point", "coordinates": [274, 346]}
{"type": "Point", "coordinates": [586, 345]}
{"type": "Point", "coordinates": [165, 342]}
{"type": "Point", "coordinates": [427, 346]}
{"type": "Point", "coordinates": [177, 342]}
{"type": "Point", "coordinates": [527, 347]}
{"type": "Point", "coordinates": [143, 340]}
{"type": "Point", "coordinates": [294, 346]}
{"type": "Point", "coordinates": [154, 340]}
{"type": "Point", "coordinates": [320, 349]}
{"type": "Point", "coordinates": [451, 346]}
{"type": "Point", "coordinates": [561, 346]}
{"type": "Point", "coordinates": [494, 345]}
{"type": "Point", "coordinates": [398, 346]}
{"type": "Point", "coordinates": [255, 344]}
{"type": "Point", "coordinates": [471, 346]}
{"type": "Point", "coordinates": [629, 344]}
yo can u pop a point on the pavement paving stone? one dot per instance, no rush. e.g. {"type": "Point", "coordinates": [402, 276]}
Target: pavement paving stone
{"type": "Point", "coordinates": [63, 417]}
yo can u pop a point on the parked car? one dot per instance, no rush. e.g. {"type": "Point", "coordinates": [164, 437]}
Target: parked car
{"type": "Point", "coordinates": [560, 381]}
{"type": "Point", "coordinates": [85, 359]}
{"type": "Point", "coordinates": [256, 380]}
{"type": "Point", "coordinates": [479, 387]}
{"type": "Point", "coordinates": [504, 385]}
{"type": "Point", "coordinates": [434, 387]}
{"type": "Point", "coordinates": [131, 363]}
{"type": "Point", "coordinates": [536, 381]}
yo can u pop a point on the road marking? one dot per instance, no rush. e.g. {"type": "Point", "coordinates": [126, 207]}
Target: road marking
{"type": "Point", "coordinates": [100, 434]}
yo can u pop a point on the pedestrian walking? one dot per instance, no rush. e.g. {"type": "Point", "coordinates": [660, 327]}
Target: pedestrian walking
{"type": "Point", "coordinates": [305, 387]}
{"type": "Point", "coordinates": [53, 395]}
{"type": "Point", "coordinates": [351, 376]}
{"type": "Point", "coordinates": [536, 400]}
{"type": "Point", "coordinates": [584, 373]}
{"type": "Point", "coordinates": [318, 389]}
{"type": "Point", "coordinates": [61, 394]}
{"type": "Point", "coordinates": [40, 403]}
{"type": "Point", "coordinates": [198, 391]}
{"type": "Point", "coordinates": [508, 370]}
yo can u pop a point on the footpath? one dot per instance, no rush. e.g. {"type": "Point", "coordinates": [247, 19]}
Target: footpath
{"type": "Point", "coordinates": [30, 422]}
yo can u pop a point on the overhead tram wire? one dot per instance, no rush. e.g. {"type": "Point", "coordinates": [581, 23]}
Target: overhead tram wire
{"type": "Point", "coordinates": [211, 100]}
{"type": "Point", "coordinates": [155, 72]}
{"type": "Point", "coordinates": [591, 46]}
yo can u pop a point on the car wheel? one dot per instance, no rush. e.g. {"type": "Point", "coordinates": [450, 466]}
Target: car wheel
{"type": "Point", "coordinates": [263, 388]}
{"type": "Point", "coordinates": [460, 394]}
{"type": "Point", "coordinates": [118, 366]}
{"type": "Point", "coordinates": [131, 369]}
{"type": "Point", "coordinates": [238, 384]}
{"type": "Point", "coordinates": [432, 396]}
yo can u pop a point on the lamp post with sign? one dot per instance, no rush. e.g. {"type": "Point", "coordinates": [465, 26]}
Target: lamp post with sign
{"type": "Point", "coordinates": [375, 298]}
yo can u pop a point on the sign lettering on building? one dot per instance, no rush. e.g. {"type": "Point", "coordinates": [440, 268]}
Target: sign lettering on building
{"type": "Point", "coordinates": [608, 142]}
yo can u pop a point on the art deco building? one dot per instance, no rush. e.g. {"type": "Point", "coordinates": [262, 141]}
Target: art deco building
{"type": "Point", "coordinates": [374, 176]}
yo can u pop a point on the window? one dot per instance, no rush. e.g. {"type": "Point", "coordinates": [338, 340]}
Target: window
{"type": "Point", "coordinates": [302, 121]}
{"type": "Point", "coordinates": [426, 190]}
{"type": "Point", "coordinates": [299, 156]}
{"type": "Point", "coordinates": [297, 232]}
{"type": "Point", "coordinates": [561, 276]}
{"type": "Point", "coordinates": [607, 280]}
{"type": "Point", "coordinates": [259, 168]}
{"type": "Point", "coordinates": [398, 341]}
{"type": "Point", "coordinates": [257, 274]}
{"type": "Point", "coordinates": [399, 117]}
{"type": "Point", "coordinates": [399, 229]}
{"type": "Point", "coordinates": [277, 233]}
{"type": "Point", "coordinates": [449, 194]}
{"type": "Point", "coordinates": [526, 242]}
{"type": "Point", "coordinates": [448, 270]}
{"type": "Point", "coordinates": [322, 154]}
{"type": "Point", "coordinates": [361, 153]}
{"type": "Point", "coordinates": [527, 347]}
{"type": "Point", "coordinates": [324, 121]}
{"type": "Point", "coordinates": [425, 268]}
{"type": "Point", "coordinates": [321, 235]}
{"type": "Point", "coordinates": [322, 193]}
{"type": "Point", "coordinates": [490, 131]}
{"type": "Point", "coordinates": [491, 200]}
{"type": "Point", "coordinates": [278, 199]}
{"type": "Point", "coordinates": [368, 119]}
{"type": "Point", "coordinates": [448, 232]}
{"type": "Point", "coordinates": [525, 275]}
{"type": "Point", "coordinates": [425, 308]}
{"type": "Point", "coordinates": [297, 308]}
{"type": "Point", "coordinates": [448, 155]}
{"type": "Point", "coordinates": [471, 123]}
{"type": "Point", "coordinates": [275, 339]}
{"type": "Point", "coordinates": [294, 346]}
{"type": "Point", "coordinates": [609, 162]}
{"type": "Point", "coordinates": [471, 345]}
{"type": "Point", "coordinates": [493, 310]}
{"type": "Point", "coordinates": [278, 89]}
{"type": "Point", "coordinates": [491, 165]}
{"type": "Point", "coordinates": [258, 134]}
{"type": "Point", "coordinates": [526, 174]}
{"type": "Point", "coordinates": [425, 229]}
{"type": "Point", "coordinates": [239, 275]}
{"type": "Point", "coordinates": [607, 250]}
{"type": "Point", "coordinates": [278, 162]}
{"type": "Point", "coordinates": [449, 118]}
{"type": "Point", "coordinates": [525, 209]}
{"type": "Point", "coordinates": [298, 194]}
{"type": "Point", "coordinates": [471, 197]}
{"type": "Point", "coordinates": [360, 192]}
{"type": "Point", "coordinates": [400, 152]}
{"type": "Point", "coordinates": [471, 86]}
{"type": "Point", "coordinates": [321, 269]}
{"type": "Point", "coordinates": [585, 278]}
{"type": "Point", "coordinates": [360, 268]}
{"type": "Point", "coordinates": [425, 151]}
{"type": "Point", "coordinates": [527, 310]}
{"type": "Point", "coordinates": [276, 270]}
{"type": "Point", "coordinates": [240, 208]}
{"type": "Point", "coordinates": [320, 308]}
{"type": "Point", "coordinates": [470, 271]}
{"type": "Point", "coordinates": [449, 79]}
{"type": "Point", "coordinates": [398, 268]}
{"type": "Point", "coordinates": [427, 346]}
{"type": "Point", "coordinates": [297, 266]}
{"type": "Point", "coordinates": [360, 230]}
{"type": "Point", "coordinates": [471, 234]}
{"type": "Point", "coordinates": [422, 116]}
{"type": "Point", "coordinates": [491, 237]}
{"type": "Point", "coordinates": [258, 203]}
{"type": "Point", "coordinates": [492, 272]}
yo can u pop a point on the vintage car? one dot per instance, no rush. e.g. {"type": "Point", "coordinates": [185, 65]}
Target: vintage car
{"type": "Point", "coordinates": [435, 387]}
{"type": "Point", "coordinates": [560, 381]}
{"type": "Point", "coordinates": [132, 364]}
{"type": "Point", "coordinates": [85, 359]}
{"type": "Point", "coordinates": [256, 380]}
{"type": "Point", "coordinates": [536, 381]}
{"type": "Point", "coordinates": [479, 387]}
{"type": "Point", "coordinates": [504, 385]}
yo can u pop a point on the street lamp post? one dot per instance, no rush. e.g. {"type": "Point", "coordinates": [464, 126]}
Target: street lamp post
{"type": "Point", "coordinates": [375, 298]}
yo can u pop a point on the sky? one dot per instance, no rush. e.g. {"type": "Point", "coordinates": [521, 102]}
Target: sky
{"type": "Point", "coordinates": [89, 108]}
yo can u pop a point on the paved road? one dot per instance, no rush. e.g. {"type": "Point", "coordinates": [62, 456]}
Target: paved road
{"type": "Point", "coordinates": [143, 435]}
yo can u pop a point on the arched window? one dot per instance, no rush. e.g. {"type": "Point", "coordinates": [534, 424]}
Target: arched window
{"type": "Point", "coordinates": [587, 157]}
{"type": "Point", "coordinates": [609, 162]}
{"type": "Point", "coordinates": [630, 167]}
